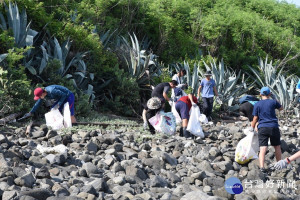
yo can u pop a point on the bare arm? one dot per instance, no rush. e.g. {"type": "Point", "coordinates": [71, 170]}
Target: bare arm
{"type": "Point", "coordinates": [295, 156]}
{"type": "Point", "coordinates": [199, 90]}
{"type": "Point", "coordinates": [215, 91]}
{"type": "Point", "coordinates": [190, 97]}
{"type": "Point", "coordinates": [166, 96]}
{"type": "Point", "coordinates": [254, 121]}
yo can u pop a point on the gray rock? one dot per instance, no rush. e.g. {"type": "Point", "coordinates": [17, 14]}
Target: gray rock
{"type": "Point", "coordinates": [99, 184]}
{"type": "Point", "coordinates": [117, 167]}
{"type": "Point", "coordinates": [157, 181]}
{"type": "Point", "coordinates": [43, 173]}
{"type": "Point", "coordinates": [119, 180]}
{"type": "Point", "coordinates": [91, 147]}
{"type": "Point", "coordinates": [26, 180]}
{"type": "Point", "coordinates": [154, 163]}
{"type": "Point", "coordinates": [255, 174]}
{"type": "Point", "coordinates": [118, 147]}
{"type": "Point", "coordinates": [90, 168]}
{"type": "Point", "coordinates": [40, 194]}
{"type": "Point", "coordinates": [37, 134]}
{"type": "Point", "coordinates": [124, 188]}
{"type": "Point", "coordinates": [88, 189]}
{"type": "Point", "coordinates": [51, 134]}
{"type": "Point", "coordinates": [25, 197]}
{"type": "Point", "coordinates": [169, 159]}
{"type": "Point", "coordinates": [198, 195]}
{"type": "Point", "coordinates": [61, 192]}
{"type": "Point", "coordinates": [214, 152]}
{"type": "Point", "coordinates": [7, 195]}
{"type": "Point", "coordinates": [215, 182]}
{"type": "Point", "coordinates": [205, 166]}
{"type": "Point", "coordinates": [133, 171]}
{"type": "Point", "coordinates": [223, 166]}
{"type": "Point", "coordinates": [18, 171]}
{"type": "Point", "coordinates": [173, 177]}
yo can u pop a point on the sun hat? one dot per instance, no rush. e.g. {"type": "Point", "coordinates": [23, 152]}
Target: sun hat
{"type": "Point", "coordinates": [38, 93]}
{"type": "Point", "coordinates": [265, 91]}
{"type": "Point", "coordinates": [154, 103]}
{"type": "Point", "coordinates": [208, 73]}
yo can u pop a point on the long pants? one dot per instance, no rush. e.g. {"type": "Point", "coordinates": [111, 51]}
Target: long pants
{"type": "Point", "coordinates": [207, 105]}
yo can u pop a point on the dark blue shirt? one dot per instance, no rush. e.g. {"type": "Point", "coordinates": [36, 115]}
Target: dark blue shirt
{"type": "Point", "coordinates": [265, 111]}
{"type": "Point", "coordinates": [57, 92]}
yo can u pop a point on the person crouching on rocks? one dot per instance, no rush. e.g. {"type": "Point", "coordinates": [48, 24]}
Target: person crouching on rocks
{"type": "Point", "coordinates": [183, 107]}
{"type": "Point", "coordinates": [154, 105]}
{"type": "Point", "coordinates": [59, 93]}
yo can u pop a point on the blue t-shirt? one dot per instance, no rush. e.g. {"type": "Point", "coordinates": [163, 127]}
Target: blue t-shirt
{"type": "Point", "coordinates": [207, 88]}
{"type": "Point", "coordinates": [265, 110]}
{"type": "Point", "coordinates": [298, 85]}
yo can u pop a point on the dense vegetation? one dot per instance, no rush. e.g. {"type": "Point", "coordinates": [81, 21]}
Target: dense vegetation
{"type": "Point", "coordinates": [96, 47]}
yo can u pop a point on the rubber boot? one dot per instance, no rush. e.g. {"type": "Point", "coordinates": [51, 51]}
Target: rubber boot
{"type": "Point", "coordinates": [186, 134]}
{"type": "Point", "coordinates": [181, 132]}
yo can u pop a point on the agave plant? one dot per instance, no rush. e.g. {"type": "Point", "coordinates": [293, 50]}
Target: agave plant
{"type": "Point", "coordinates": [18, 24]}
{"type": "Point", "coordinates": [281, 85]}
{"type": "Point", "coordinates": [267, 73]}
{"type": "Point", "coordinates": [227, 83]}
{"type": "Point", "coordinates": [141, 66]}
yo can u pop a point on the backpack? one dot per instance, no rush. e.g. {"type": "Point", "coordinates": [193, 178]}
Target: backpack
{"type": "Point", "coordinates": [247, 98]}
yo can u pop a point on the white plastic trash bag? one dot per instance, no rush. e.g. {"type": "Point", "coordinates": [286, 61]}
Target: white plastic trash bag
{"type": "Point", "coordinates": [67, 116]}
{"type": "Point", "coordinates": [59, 149]}
{"type": "Point", "coordinates": [194, 125]}
{"type": "Point", "coordinates": [54, 119]}
{"type": "Point", "coordinates": [164, 122]}
{"type": "Point", "coordinates": [247, 148]}
{"type": "Point", "coordinates": [176, 114]}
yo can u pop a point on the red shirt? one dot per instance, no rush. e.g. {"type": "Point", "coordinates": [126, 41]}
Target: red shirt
{"type": "Point", "coordinates": [186, 100]}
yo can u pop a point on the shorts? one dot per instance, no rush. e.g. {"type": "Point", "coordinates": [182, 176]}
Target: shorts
{"type": "Point", "coordinates": [264, 133]}
{"type": "Point", "coordinates": [182, 109]}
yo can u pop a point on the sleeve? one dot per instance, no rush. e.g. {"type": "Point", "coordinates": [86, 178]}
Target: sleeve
{"type": "Point", "coordinates": [255, 110]}
{"type": "Point", "coordinates": [61, 96]}
{"type": "Point", "coordinates": [214, 83]}
{"type": "Point", "coordinates": [36, 105]}
{"type": "Point", "coordinates": [166, 89]}
{"type": "Point", "coordinates": [277, 104]}
{"type": "Point", "coordinates": [202, 84]}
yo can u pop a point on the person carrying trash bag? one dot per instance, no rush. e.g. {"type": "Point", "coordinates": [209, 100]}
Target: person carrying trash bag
{"type": "Point", "coordinates": [268, 127]}
{"type": "Point", "coordinates": [208, 90]}
{"type": "Point", "coordinates": [247, 104]}
{"type": "Point", "coordinates": [60, 94]}
{"type": "Point", "coordinates": [284, 162]}
{"type": "Point", "coordinates": [183, 107]}
{"type": "Point", "coordinates": [160, 91]}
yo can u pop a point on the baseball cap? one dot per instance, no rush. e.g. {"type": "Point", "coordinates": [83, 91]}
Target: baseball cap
{"type": "Point", "coordinates": [38, 93]}
{"type": "Point", "coordinates": [265, 91]}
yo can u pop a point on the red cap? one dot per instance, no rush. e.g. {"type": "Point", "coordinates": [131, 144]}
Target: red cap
{"type": "Point", "coordinates": [38, 93]}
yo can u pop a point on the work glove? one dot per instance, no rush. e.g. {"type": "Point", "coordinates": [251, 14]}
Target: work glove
{"type": "Point", "coordinates": [281, 164]}
{"type": "Point", "coordinates": [219, 101]}
{"type": "Point", "coordinates": [26, 116]}
{"type": "Point", "coordinates": [145, 125]}
{"type": "Point", "coordinates": [194, 104]}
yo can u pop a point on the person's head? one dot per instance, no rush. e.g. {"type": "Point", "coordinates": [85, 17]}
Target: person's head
{"type": "Point", "coordinates": [182, 73]}
{"type": "Point", "coordinates": [173, 83]}
{"type": "Point", "coordinates": [39, 93]}
{"type": "Point", "coordinates": [154, 103]}
{"type": "Point", "coordinates": [265, 92]}
{"type": "Point", "coordinates": [208, 75]}
{"type": "Point", "coordinates": [178, 92]}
